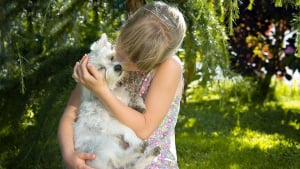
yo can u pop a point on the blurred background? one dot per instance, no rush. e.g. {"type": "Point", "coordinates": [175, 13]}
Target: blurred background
{"type": "Point", "coordinates": [241, 103]}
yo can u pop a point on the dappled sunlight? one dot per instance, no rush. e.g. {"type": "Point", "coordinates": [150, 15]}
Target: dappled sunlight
{"type": "Point", "coordinates": [28, 118]}
{"type": "Point", "coordinates": [5, 130]}
{"type": "Point", "coordinates": [190, 123]}
{"type": "Point", "coordinates": [290, 104]}
{"type": "Point", "coordinates": [294, 124]}
{"type": "Point", "coordinates": [231, 117]}
{"type": "Point", "coordinates": [234, 166]}
{"type": "Point", "coordinates": [254, 139]}
{"type": "Point", "coordinates": [243, 108]}
{"type": "Point", "coordinates": [291, 110]}
{"type": "Point", "coordinates": [211, 97]}
{"type": "Point", "coordinates": [287, 104]}
{"type": "Point", "coordinates": [286, 90]}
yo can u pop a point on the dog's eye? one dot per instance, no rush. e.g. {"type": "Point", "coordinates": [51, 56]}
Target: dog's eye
{"type": "Point", "coordinates": [111, 58]}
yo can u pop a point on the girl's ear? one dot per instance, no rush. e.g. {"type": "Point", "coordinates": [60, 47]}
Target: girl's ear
{"type": "Point", "coordinates": [102, 42]}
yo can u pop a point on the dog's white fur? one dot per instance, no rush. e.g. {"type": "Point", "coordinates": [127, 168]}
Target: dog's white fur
{"type": "Point", "coordinates": [96, 131]}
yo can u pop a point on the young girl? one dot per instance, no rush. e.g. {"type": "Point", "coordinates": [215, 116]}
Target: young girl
{"type": "Point", "coordinates": [146, 47]}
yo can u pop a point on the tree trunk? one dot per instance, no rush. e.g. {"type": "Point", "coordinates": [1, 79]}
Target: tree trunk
{"type": "Point", "coordinates": [133, 5]}
{"type": "Point", "coordinates": [263, 89]}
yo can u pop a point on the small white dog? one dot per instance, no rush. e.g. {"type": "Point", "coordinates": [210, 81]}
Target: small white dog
{"type": "Point", "coordinates": [95, 131]}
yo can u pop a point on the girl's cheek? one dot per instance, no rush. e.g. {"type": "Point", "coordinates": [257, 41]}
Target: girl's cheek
{"type": "Point", "coordinates": [121, 57]}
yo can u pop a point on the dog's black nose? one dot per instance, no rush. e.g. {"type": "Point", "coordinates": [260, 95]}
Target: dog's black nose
{"type": "Point", "coordinates": [118, 68]}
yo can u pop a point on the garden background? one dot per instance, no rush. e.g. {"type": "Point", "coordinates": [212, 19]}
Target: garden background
{"type": "Point", "coordinates": [241, 106]}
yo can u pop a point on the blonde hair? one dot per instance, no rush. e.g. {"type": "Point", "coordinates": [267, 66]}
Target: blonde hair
{"type": "Point", "coordinates": [150, 35]}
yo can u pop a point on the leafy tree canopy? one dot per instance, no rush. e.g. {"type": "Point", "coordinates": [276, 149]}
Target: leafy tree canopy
{"type": "Point", "coordinates": [41, 40]}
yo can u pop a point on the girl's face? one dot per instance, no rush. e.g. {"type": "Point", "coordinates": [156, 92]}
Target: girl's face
{"type": "Point", "coordinates": [127, 65]}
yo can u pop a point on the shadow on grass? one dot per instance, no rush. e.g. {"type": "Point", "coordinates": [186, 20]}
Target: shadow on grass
{"type": "Point", "coordinates": [273, 120]}
{"type": "Point", "coordinates": [220, 152]}
{"type": "Point", "coordinates": [218, 117]}
{"type": "Point", "coordinates": [214, 134]}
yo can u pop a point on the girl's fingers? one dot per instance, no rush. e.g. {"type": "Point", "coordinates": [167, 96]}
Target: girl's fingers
{"type": "Point", "coordinates": [92, 70]}
{"type": "Point", "coordinates": [86, 156]}
{"type": "Point", "coordinates": [75, 72]}
{"type": "Point", "coordinates": [83, 73]}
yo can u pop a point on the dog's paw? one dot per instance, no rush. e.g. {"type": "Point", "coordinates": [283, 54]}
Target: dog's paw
{"type": "Point", "coordinates": [139, 108]}
{"type": "Point", "coordinates": [142, 147]}
{"type": "Point", "coordinates": [124, 144]}
{"type": "Point", "coordinates": [137, 103]}
{"type": "Point", "coordinates": [156, 151]}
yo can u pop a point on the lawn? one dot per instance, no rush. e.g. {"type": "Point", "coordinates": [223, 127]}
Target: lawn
{"type": "Point", "coordinates": [225, 135]}
{"type": "Point", "coordinates": [212, 133]}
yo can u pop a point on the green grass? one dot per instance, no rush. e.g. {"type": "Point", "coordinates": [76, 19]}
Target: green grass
{"type": "Point", "coordinates": [216, 132]}
{"type": "Point", "coordinates": [226, 135]}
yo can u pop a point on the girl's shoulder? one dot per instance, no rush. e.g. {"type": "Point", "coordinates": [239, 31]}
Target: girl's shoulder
{"type": "Point", "coordinates": [171, 65]}
{"type": "Point", "coordinates": [173, 60]}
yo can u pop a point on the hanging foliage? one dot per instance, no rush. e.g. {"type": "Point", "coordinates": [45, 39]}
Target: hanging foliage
{"type": "Point", "coordinates": [41, 40]}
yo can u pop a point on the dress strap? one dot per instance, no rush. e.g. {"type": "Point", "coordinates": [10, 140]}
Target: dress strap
{"type": "Point", "coordinates": [145, 83]}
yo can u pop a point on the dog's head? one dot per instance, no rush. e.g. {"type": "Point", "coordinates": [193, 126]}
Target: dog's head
{"type": "Point", "coordinates": [102, 56]}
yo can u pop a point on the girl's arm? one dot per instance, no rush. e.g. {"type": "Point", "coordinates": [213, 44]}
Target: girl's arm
{"type": "Point", "coordinates": [159, 98]}
{"type": "Point", "coordinates": [71, 158]}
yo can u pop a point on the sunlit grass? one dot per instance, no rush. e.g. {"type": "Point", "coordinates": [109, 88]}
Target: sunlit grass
{"type": "Point", "coordinates": [248, 138]}
{"type": "Point", "coordinates": [290, 104]}
{"type": "Point", "coordinates": [286, 92]}
{"type": "Point", "coordinates": [190, 123]}
{"type": "Point", "coordinates": [295, 124]}
{"type": "Point", "coordinates": [216, 131]}
{"type": "Point", "coordinates": [214, 134]}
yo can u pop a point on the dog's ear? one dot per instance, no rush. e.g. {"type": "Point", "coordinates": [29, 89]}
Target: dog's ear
{"type": "Point", "coordinates": [102, 42]}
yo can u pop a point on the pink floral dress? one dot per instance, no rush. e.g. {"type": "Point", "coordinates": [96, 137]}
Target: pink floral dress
{"type": "Point", "coordinates": [164, 135]}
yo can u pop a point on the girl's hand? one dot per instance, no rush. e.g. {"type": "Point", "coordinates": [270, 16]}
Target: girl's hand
{"type": "Point", "coordinates": [77, 160]}
{"type": "Point", "coordinates": [87, 75]}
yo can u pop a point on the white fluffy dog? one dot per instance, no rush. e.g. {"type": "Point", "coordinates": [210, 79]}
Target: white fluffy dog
{"type": "Point", "coordinates": [95, 131]}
